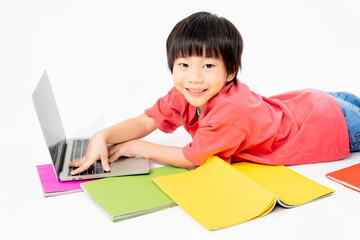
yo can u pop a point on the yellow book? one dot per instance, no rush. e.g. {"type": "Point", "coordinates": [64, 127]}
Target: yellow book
{"type": "Point", "coordinates": [219, 195]}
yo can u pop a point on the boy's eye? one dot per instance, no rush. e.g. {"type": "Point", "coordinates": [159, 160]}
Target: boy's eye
{"type": "Point", "coordinates": [184, 65]}
{"type": "Point", "coordinates": [208, 66]}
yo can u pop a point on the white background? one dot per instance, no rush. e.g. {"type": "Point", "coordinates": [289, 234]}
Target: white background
{"type": "Point", "coordinates": [107, 62]}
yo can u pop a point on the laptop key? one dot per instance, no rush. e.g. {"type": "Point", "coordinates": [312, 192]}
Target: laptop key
{"type": "Point", "coordinates": [72, 152]}
{"type": "Point", "coordinates": [91, 169]}
{"type": "Point", "coordinates": [85, 146]}
{"type": "Point", "coordinates": [78, 149]}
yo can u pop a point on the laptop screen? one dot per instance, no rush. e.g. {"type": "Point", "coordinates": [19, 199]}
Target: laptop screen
{"type": "Point", "coordinates": [50, 121]}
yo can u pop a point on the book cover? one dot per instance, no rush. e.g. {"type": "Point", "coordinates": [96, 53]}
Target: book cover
{"type": "Point", "coordinates": [349, 177]}
{"type": "Point", "coordinates": [124, 197]}
{"type": "Point", "coordinates": [291, 188]}
{"type": "Point", "coordinates": [51, 186]}
{"type": "Point", "coordinates": [218, 195]}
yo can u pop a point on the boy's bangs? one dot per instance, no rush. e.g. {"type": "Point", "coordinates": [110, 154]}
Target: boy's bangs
{"type": "Point", "coordinates": [196, 48]}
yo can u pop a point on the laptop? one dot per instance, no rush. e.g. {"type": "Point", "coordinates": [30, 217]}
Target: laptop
{"type": "Point", "coordinates": [63, 150]}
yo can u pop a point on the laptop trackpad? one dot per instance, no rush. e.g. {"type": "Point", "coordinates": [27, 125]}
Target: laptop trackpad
{"type": "Point", "coordinates": [130, 165]}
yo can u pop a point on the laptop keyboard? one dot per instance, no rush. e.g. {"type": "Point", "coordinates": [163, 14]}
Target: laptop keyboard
{"type": "Point", "coordinates": [78, 150]}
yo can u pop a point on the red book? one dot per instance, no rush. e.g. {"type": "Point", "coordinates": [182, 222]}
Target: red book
{"type": "Point", "coordinates": [349, 177]}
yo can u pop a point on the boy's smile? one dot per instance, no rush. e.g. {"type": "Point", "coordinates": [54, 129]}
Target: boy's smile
{"type": "Point", "coordinates": [200, 78]}
{"type": "Point", "coordinates": [195, 91]}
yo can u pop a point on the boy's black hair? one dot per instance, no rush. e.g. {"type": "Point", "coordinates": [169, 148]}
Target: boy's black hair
{"type": "Point", "coordinates": [206, 34]}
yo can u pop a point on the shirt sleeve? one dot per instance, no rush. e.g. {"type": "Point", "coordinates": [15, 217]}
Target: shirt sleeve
{"type": "Point", "coordinates": [166, 112]}
{"type": "Point", "coordinates": [222, 140]}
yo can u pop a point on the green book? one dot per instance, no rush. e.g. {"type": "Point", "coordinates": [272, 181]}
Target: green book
{"type": "Point", "coordinates": [125, 197]}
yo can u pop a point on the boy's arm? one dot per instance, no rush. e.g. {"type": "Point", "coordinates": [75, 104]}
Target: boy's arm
{"type": "Point", "coordinates": [133, 128]}
{"type": "Point", "coordinates": [136, 129]}
{"type": "Point", "coordinates": [168, 155]}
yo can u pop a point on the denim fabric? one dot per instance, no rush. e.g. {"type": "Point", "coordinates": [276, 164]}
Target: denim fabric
{"type": "Point", "coordinates": [350, 106]}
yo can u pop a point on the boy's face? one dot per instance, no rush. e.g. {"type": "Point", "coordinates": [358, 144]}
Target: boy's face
{"type": "Point", "coordinates": [200, 78]}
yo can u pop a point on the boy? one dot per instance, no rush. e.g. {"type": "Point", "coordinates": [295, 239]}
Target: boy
{"type": "Point", "coordinates": [222, 115]}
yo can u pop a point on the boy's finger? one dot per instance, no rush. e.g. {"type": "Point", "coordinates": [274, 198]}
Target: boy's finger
{"type": "Point", "coordinates": [110, 147]}
{"type": "Point", "coordinates": [82, 168]}
{"type": "Point", "coordinates": [111, 151]}
{"type": "Point", "coordinates": [105, 163]}
{"type": "Point", "coordinates": [76, 162]}
{"type": "Point", "coordinates": [114, 157]}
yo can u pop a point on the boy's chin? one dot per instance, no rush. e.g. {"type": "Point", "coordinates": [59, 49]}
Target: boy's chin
{"type": "Point", "coordinates": [198, 105]}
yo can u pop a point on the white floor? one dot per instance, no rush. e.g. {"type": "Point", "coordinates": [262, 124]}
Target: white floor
{"type": "Point", "coordinates": [115, 53]}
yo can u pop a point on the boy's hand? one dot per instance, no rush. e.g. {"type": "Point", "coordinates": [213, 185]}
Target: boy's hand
{"type": "Point", "coordinates": [97, 150]}
{"type": "Point", "coordinates": [121, 150]}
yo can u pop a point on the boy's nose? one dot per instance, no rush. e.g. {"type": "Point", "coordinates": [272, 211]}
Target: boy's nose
{"type": "Point", "coordinates": [195, 77]}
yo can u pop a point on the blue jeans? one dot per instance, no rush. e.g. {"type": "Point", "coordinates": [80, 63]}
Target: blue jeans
{"type": "Point", "coordinates": [350, 106]}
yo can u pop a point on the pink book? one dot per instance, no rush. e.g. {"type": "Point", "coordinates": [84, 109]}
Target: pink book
{"type": "Point", "coordinates": [52, 186]}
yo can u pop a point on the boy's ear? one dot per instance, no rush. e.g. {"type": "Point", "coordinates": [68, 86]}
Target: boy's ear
{"type": "Point", "coordinates": [230, 77]}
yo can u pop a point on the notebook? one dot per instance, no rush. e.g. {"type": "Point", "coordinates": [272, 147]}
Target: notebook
{"type": "Point", "coordinates": [125, 197]}
{"type": "Point", "coordinates": [219, 195]}
{"type": "Point", "coordinates": [349, 177]}
{"type": "Point", "coordinates": [50, 184]}
{"type": "Point", "coordinates": [63, 150]}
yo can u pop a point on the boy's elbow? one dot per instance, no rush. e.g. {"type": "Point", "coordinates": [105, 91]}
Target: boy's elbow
{"type": "Point", "coordinates": [147, 123]}
{"type": "Point", "coordinates": [187, 164]}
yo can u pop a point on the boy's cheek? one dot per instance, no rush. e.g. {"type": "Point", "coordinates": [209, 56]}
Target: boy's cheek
{"type": "Point", "coordinates": [178, 86]}
{"type": "Point", "coordinates": [180, 89]}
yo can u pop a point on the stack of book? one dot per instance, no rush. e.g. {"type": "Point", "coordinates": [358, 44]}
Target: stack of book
{"type": "Point", "coordinates": [216, 194]}
{"type": "Point", "coordinates": [219, 195]}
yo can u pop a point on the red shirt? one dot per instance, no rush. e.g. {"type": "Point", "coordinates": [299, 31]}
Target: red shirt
{"type": "Point", "coordinates": [298, 127]}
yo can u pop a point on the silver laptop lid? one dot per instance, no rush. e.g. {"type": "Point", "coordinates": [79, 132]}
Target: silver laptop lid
{"type": "Point", "coordinates": [50, 121]}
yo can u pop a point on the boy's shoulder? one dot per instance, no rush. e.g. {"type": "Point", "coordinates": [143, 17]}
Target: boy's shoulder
{"type": "Point", "coordinates": [228, 104]}
{"type": "Point", "coordinates": [232, 97]}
